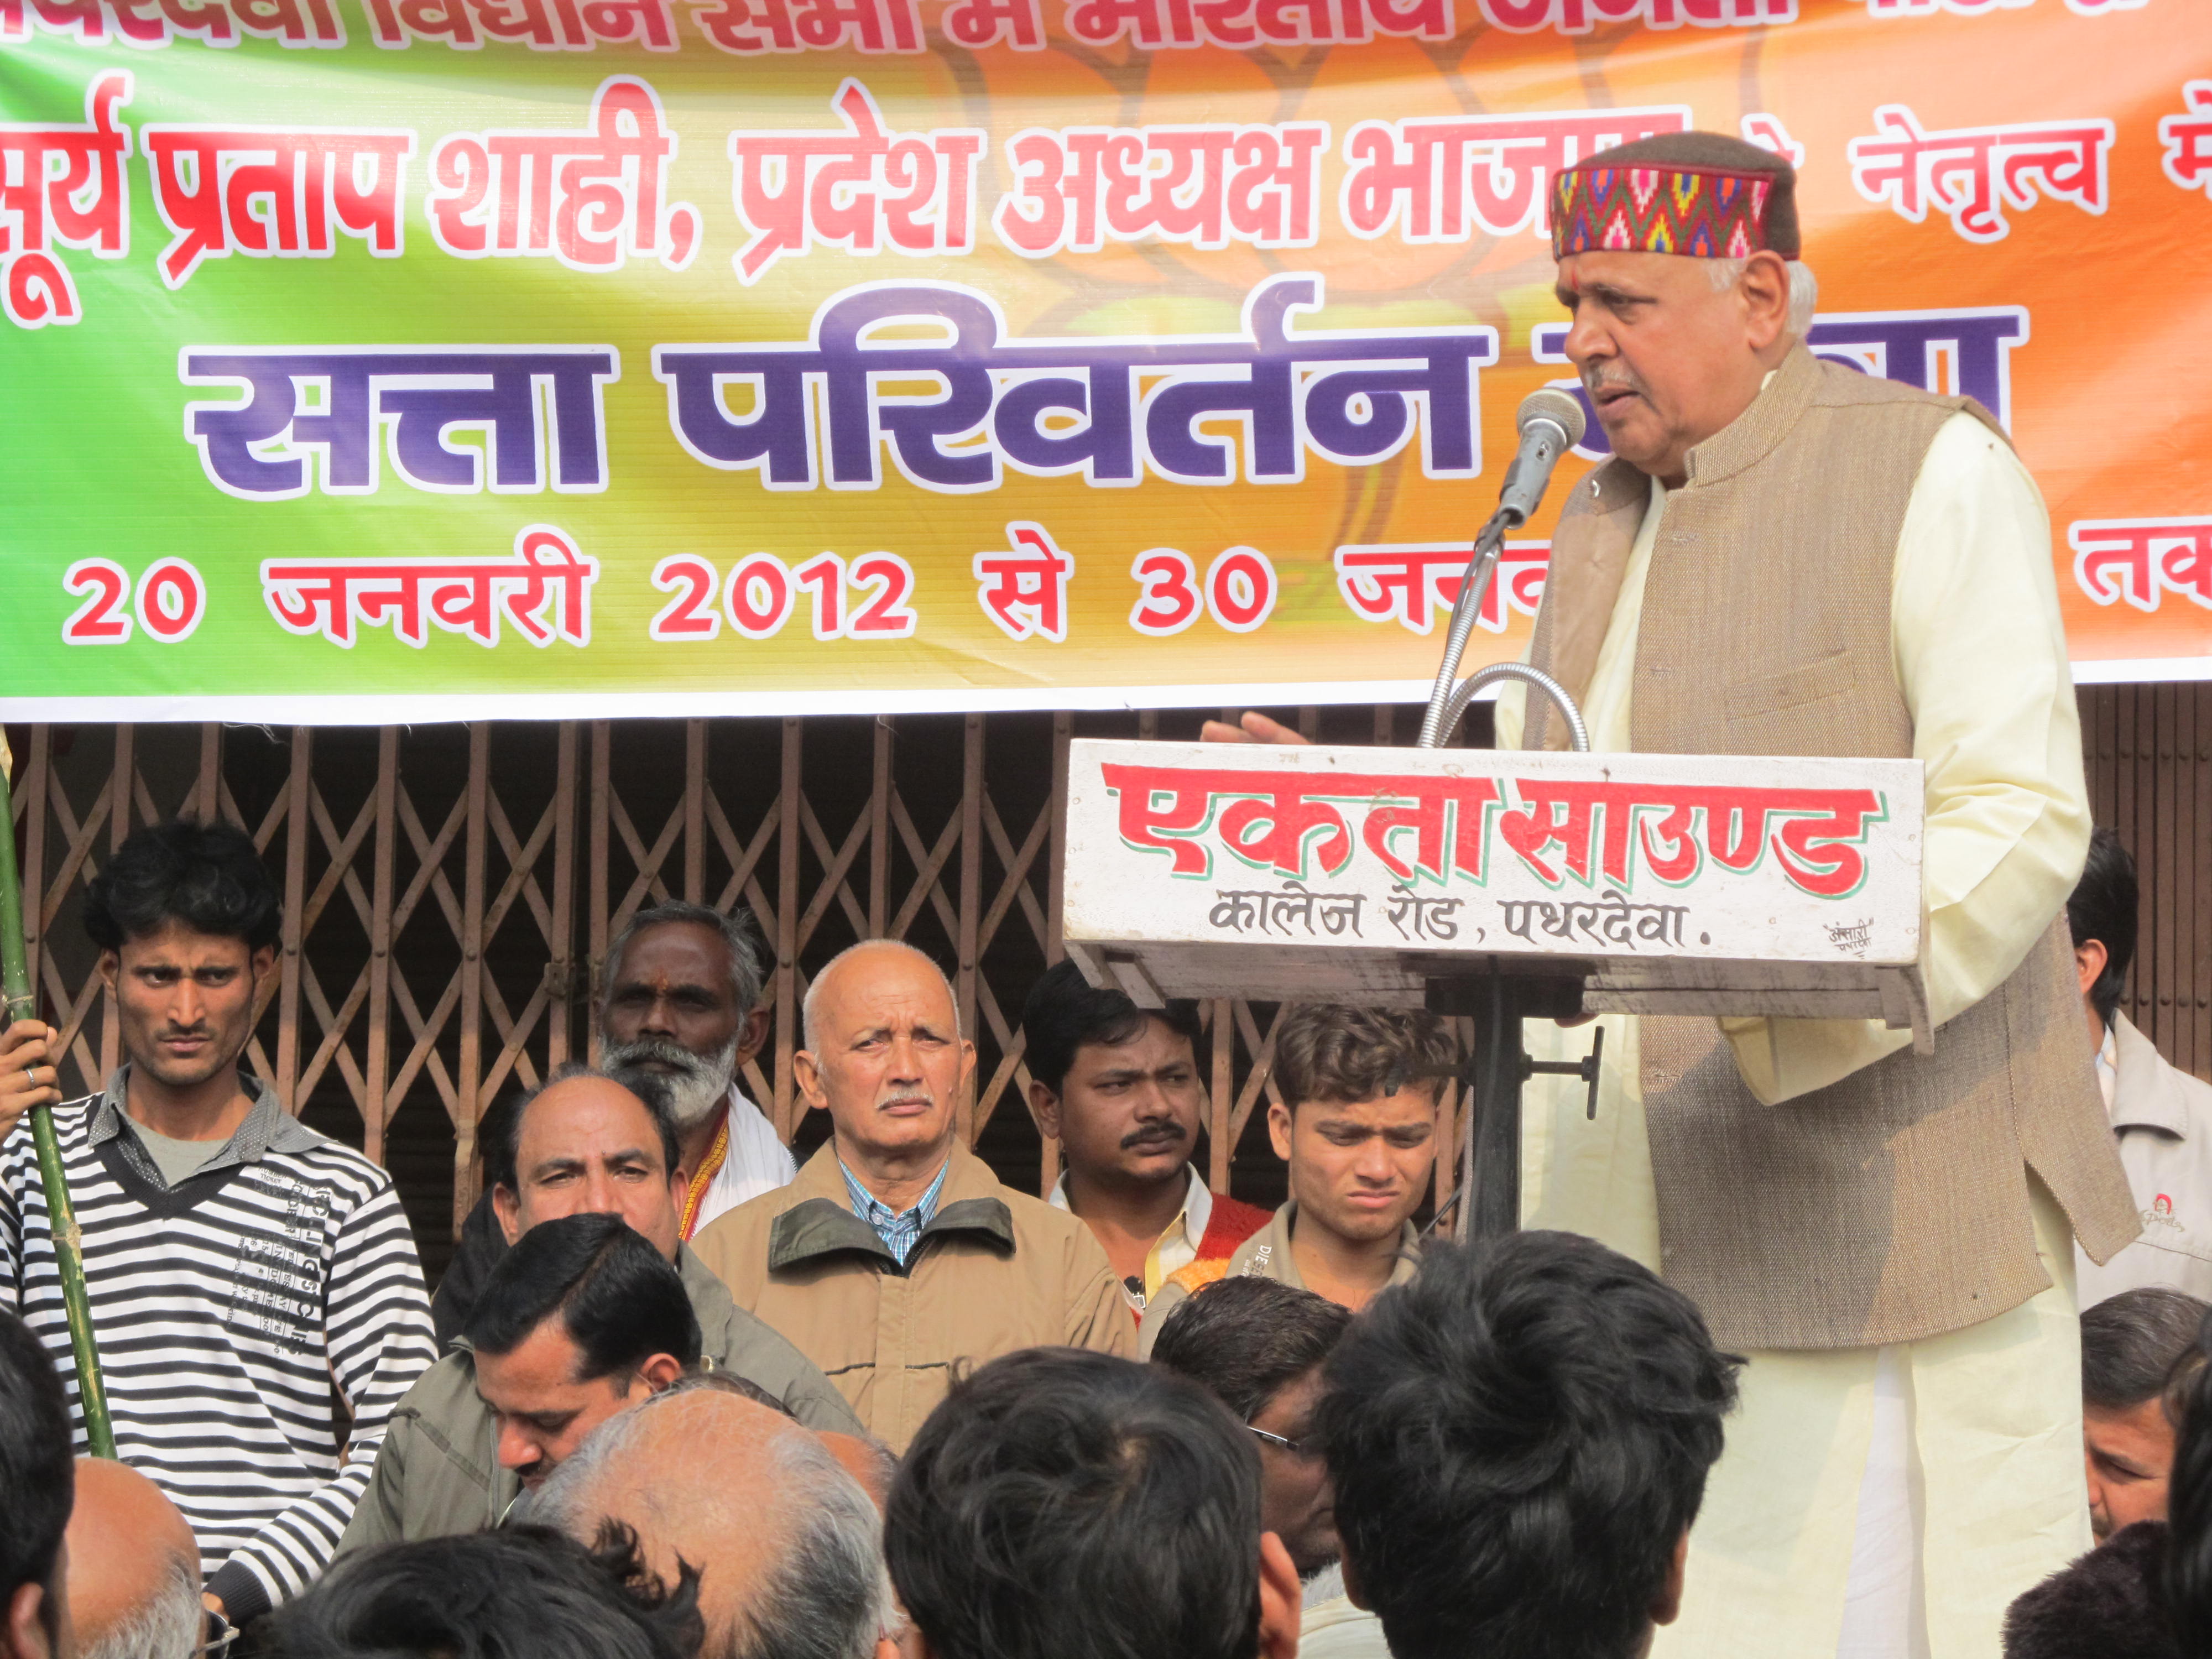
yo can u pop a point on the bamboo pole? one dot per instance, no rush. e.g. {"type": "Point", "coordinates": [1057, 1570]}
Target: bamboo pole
{"type": "Point", "coordinates": [69, 1255]}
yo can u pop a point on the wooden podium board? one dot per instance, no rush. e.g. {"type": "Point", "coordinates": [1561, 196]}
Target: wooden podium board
{"type": "Point", "coordinates": [1503, 884]}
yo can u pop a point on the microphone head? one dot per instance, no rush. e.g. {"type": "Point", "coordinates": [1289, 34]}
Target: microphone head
{"type": "Point", "coordinates": [1556, 406]}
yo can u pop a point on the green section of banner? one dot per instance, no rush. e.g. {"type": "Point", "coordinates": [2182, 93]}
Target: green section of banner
{"type": "Point", "coordinates": [355, 378]}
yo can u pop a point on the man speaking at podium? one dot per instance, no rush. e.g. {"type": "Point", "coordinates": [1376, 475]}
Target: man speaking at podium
{"type": "Point", "coordinates": [1789, 557]}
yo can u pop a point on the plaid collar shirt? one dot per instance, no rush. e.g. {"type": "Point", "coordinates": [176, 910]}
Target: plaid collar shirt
{"type": "Point", "coordinates": [900, 1230]}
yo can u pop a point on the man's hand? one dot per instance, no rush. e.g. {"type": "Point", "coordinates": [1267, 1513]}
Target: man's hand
{"type": "Point", "coordinates": [26, 1077]}
{"type": "Point", "coordinates": [1254, 728]}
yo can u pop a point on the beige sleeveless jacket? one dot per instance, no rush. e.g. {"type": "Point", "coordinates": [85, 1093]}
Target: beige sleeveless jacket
{"type": "Point", "coordinates": [1892, 1205]}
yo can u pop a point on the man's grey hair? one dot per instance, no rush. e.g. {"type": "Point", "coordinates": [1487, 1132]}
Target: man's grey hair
{"type": "Point", "coordinates": [827, 1596]}
{"type": "Point", "coordinates": [2132, 1342]}
{"type": "Point", "coordinates": [806, 1021]}
{"type": "Point", "coordinates": [1804, 290]}
{"type": "Point", "coordinates": [747, 976]}
{"type": "Point", "coordinates": [166, 1627]}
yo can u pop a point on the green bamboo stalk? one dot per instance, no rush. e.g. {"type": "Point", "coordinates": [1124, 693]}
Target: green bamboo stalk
{"type": "Point", "coordinates": [69, 1244]}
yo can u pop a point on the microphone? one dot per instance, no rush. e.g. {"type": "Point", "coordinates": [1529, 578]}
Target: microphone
{"type": "Point", "coordinates": [1551, 423]}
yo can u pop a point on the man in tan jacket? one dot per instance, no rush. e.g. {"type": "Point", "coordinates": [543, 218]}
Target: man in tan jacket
{"type": "Point", "coordinates": [897, 1253]}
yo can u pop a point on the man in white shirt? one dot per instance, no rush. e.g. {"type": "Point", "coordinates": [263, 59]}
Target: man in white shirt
{"type": "Point", "coordinates": [1117, 1086]}
{"type": "Point", "coordinates": [680, 998]}
{"type": "Point", "coordinates": [1838, 564]}
{"type": "Point", "coordinates": [2161, 1116]}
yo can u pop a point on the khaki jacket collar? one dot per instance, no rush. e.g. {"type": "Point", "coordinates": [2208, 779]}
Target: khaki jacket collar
{"type": "Point", "coordinates": [1759, 431]}
{"type": "Point", "coordinates": [2148, 1092]}
{"type": "Point", "coordinates": [822, 1223]}
{"type": "Point", "coordinates": [1276, 1237]}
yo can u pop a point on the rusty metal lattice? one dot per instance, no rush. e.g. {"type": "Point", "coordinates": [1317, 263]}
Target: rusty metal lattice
{"type": "Point", "coordinates": [450, 893]}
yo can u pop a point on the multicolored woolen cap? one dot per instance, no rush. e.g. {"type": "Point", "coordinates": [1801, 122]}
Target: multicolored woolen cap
{"type": "Point", "coordinates": [1702, 195]}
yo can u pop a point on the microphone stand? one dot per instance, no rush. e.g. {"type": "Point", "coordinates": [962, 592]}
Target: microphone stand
{"type": "Point", "coordinates": [1499, 999]}
{"type": "Point", "coordinates": [1474, 588]}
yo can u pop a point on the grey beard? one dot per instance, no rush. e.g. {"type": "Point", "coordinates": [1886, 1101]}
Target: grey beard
{"type": "Point", "coordinates": [695, 1089]}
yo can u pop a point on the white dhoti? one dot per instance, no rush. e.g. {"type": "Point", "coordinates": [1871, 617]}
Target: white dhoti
{"type": "Point", "coordinates": [1889, 1501]}
{"type": "Point", "coordinates": [1872, 1502]}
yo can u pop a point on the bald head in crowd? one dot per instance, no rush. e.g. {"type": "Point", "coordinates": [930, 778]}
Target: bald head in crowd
{"type": "Point", "coordinates": [134, 1568]}
{"type": "Point", "coordinates": [789, 1545]}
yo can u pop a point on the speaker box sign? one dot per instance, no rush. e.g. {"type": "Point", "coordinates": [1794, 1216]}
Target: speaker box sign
{"type": "Point", "coordinates": [1670, 884]}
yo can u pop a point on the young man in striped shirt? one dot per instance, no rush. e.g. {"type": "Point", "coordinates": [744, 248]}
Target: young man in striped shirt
{"type": "Point", "coordinates": [255, 1293]}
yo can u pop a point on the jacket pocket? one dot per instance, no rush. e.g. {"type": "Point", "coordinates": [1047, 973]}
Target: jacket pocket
{"type": "Point", "coordinates": [1793, 688]}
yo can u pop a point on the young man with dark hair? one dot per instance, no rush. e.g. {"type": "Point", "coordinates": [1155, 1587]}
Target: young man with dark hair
{"type": "Point", "coordinates": [1258, 1347]}
{"type": "Point", "coordinates": [1062, 1504]}
{"type": "Point", "coordinates": [2161, 1115]}
{"type": "Point", "coordinates": [2131, 1344]}
{"type": "Point", "coordinates": [581, 1320]}
{"type": "Point", "coordinates": [588, 1143]}
{"type": "Point", "coordinates": [1519, 1440]}
{"type": "Point", "coordinates": [519, 1589]}
{"type": "Point", "coordinates": [679, 999]}
{"type": "Point", "coordinates": [1360, 1154]}
{"type": "Point", "coordinates": [1117, 1086]}
{"type": "Point", "coordinates": [254, 1289]}
{"type": "Point", "coordinates": [38, 1485]}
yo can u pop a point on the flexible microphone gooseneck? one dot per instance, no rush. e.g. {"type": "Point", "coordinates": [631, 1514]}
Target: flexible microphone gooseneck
{"type": "Point", "coordinates": [1551, 423]}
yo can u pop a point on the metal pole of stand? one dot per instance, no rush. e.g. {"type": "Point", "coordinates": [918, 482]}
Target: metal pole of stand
{"type": "Point", "coordinates": [1494, 1140]}
{"type": "Point", "coordinates": [1490, 1177]}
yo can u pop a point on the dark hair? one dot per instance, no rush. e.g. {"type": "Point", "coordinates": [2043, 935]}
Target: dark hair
{"type": "Point", "coordinates": [521, 1589]}
{"type": "Point", "coordinates": [1330, 1051]}
{"type": "Point", "coordinates": [1065, 1012]}
{"type": "Point", "coordinates": [2103, 906]}
{"type": "Point", "coordinates": [2131, 1344]}
{"type": "Point", "coordinates": [2189, 1500]}
{"type": "Point", "coordinates": [1518, 1439]}
{"type": "Point", "coordinates": [619, 1302]}
{"type": "Point", "coordinates": [737, 934]}
{"type": "Point", "coordinates": [501, 1130]}
{"type": "Point", "coordinates": [38, 1475]}
{"type": "Point", "coordinates": [1245, 1339]}
{"type": "Point", "coordinates": [208, 876]}
{"type": "Point", "coordinates": [1061, 1504]}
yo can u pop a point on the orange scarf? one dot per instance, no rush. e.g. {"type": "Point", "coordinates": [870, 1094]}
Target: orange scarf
{"type": "Point", "coordinates": [709, 1166]}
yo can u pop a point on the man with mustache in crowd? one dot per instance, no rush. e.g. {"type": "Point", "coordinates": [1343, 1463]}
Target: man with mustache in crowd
{"type": "Point", "coordinates": [585, 1144]}
{"type": "Point", "coordinates": [1117, 1086]}
{"type": "Point", "coordinates": [897, 1256]}
{"type": "Point", "coordinates": [1786, 556]}
{"type": "Point", "coordinates": [680, 999]}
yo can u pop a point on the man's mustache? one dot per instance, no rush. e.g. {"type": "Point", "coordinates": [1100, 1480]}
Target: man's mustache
{"type": "Point", "coordinates": [1155, 1134]}
{"type": "Point", "coordinates": [1596, 379]}
{"type": "Point", "coordinates": [658, 1050]}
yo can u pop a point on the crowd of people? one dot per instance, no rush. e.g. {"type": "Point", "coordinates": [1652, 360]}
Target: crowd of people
{"type": "Point", "coordinates": [886, 1405]}
{"type": "Point", "coordinates": [1787, 1361]}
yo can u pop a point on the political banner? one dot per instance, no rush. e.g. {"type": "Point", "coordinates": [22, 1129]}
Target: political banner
{"type": "Point", "coordinates": [387, 360]}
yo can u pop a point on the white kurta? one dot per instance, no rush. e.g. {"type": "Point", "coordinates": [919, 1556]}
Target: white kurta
{"type": "Point", "coordinates": [758, 1162]}
{"type": "Point", "coordinates": [1890, 1501]}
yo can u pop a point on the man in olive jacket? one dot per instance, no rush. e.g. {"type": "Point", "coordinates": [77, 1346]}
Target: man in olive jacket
{"type": "Point", "coordinates": [587, 1142]}
{"type": "Point", "coordinates": [896, 1254]}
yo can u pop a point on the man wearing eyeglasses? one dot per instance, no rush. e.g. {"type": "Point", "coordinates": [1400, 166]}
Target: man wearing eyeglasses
{"type": "Point", "coordinates": [1258, 1346]}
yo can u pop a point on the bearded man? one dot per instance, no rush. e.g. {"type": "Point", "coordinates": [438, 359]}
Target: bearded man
{"type": "Point", "coordinates": [680, 999]}
{"type": "Point", "coordinates": [1788, 557]}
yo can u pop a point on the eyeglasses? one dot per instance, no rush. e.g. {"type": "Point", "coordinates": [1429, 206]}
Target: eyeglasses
{"type": "Point", "coordinates": [1296, 1447]}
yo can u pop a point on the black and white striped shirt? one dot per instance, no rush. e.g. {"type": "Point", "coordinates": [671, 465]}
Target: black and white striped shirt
{"type": "Point", "coordinates": [242, 1318]}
